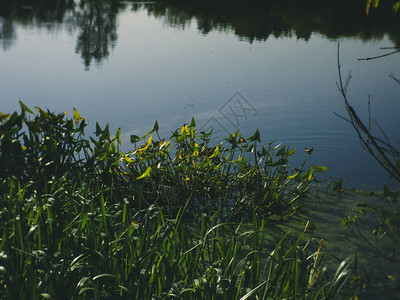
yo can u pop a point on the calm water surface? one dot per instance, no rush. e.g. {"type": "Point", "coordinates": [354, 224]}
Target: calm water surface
{"type": "Point", "coordinates": [139, 65]}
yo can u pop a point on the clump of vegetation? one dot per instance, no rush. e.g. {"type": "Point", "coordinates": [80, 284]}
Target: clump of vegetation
{"type": "Point", "coordinates": [75, 242]}
{"type": "Point", "coordinates": [229, 178]}
{"type": "Point", "coordinates": [80, 219]}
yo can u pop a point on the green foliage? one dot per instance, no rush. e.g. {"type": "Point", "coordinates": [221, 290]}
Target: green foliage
{"type": "Point", "coordinates": [81, 220]}
{"type": "Point", "coordinates": [230, 177]}
{"type": "Point", "coordinates": [75, 242]}
{"type": "Point", "coordinates": [42, 147]}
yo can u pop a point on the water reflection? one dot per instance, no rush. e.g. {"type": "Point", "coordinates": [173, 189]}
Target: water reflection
{"type": "Point", "coordinates": [95, 20]}
{"type": "Point", "coordinates": [258, 19]}
{"type": "Point", "coordinates": [47, 14]}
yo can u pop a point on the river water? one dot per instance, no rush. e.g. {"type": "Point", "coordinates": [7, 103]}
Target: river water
{"type": "Point", "coordinates": [239, 69]}
{"type": "Point", "coordinates": [232, 65]}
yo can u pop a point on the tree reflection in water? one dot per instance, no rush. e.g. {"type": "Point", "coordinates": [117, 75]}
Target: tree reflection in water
{"type": "Point", "coordinates": [98, 30]}
{"type": "Point", "coordinates": [95, 20]}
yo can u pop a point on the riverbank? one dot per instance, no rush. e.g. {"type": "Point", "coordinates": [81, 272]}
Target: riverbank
{"type": "Point", "coordinates": [171, 218]}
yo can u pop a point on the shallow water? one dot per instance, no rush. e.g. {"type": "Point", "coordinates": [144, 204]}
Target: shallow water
{"type": "Point", "coordinates": [370, 254]}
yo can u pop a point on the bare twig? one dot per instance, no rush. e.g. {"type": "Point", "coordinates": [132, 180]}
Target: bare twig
{"type": "Point", "coordinates": [394, 78]}
{"type": "Point", "coordinates": [379, 56]}
{"type": "Point", "coordinates": [382, 151]}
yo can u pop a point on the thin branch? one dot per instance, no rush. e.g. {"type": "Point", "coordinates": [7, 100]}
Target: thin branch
{"type": "Point", "coordinates": [379, 56]}
{"type": "Point", "coordinates": [347, 120]}
{"type": "Point", "coordinates": [394, 78]}
{"type": "Point", "coordinates": [377, 148]}
{"type": "Point", "coordinates": [369, 112]}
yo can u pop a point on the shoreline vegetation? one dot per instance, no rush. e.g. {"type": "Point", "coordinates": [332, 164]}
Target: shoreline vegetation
{"type": "Point", "coordinates": [80, 219]}
{"type": "Point", "coordinates": [174, 218]}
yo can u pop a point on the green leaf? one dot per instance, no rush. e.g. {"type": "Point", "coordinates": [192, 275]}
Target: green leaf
{"type": "Point", "coordinates": [255, 136]}
{"type": "Point", "coordinates": [215, 153]}
{"type": "Point", "coordinates": [81, 291]}
{"type": "Point", "coordinates": [155, 128]}
{"type": "Point", "coordinates": [193, 122]}
{"type": "Point", "coordinates": [118, 135]}
{"type": "Point", "coordinates": [145, 174]}
{"type": "Point", "coordinates": [134, 138]}
{"type": "Point", "coordinates": [294, 175]}
{"type": "Point", "coordinates": [319, 169]}
{"type": "Point", "coordinates": [291, 152]}
{"type": "Point", "coordinates": [281, 151]}
{"type": "Point", "coordinates": [24, 107]}
{"type": "Point", "coordinates": [126, 158]}
{"type": "Point", "coordinates": [309, 174]}
{"type": "Point", "coordinates": [98, 129]}
{"type": "Point", "coordinates": [145, 146]}
{"type": "Point", "coordinates": [77, 117]}
{"type": "Point", "coordinates": [104, 275]}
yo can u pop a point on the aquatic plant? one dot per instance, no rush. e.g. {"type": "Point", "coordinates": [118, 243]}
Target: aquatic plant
{"type": "Point", "coordinates": [229, 177]}
{"type": "Point", "coordinates": [80, 219]}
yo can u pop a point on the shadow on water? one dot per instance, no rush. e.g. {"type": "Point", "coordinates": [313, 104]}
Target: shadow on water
{"type": "Point", "coordinates": [254, 20]}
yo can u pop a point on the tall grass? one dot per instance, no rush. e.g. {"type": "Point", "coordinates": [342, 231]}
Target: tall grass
{"type": "Point", "coordinates": [72, 243]}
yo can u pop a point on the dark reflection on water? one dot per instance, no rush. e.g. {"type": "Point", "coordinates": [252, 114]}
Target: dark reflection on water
{"type": "Point", "coordinates": [250, 20]}
{"type": "Point", "coordinates": [258, 19]}
{"type": "Point", "coordinates": [97, 29]}
{"type": "Point", "coordinates": [95, 21]}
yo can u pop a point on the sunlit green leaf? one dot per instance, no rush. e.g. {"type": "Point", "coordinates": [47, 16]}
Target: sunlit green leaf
{"type": "Point", "coordinates": [145, 174]}
{"type": "Point", "coordinates": [118, 135]}
{"type": "Point", "coordinates": [77, 117]}
{"type": "Point", "coordinates": [215, 153]}
{"type": "Point", "coordinates": [319, 169]}
{"type": "Point", "coordinates": [24, 107]}
{"type": "Point", "coordinates": [184, 129]}
{"type": "Point", "coordinates": [145, 146]}
{"type": "Point", "coordinates": [294, 175]}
